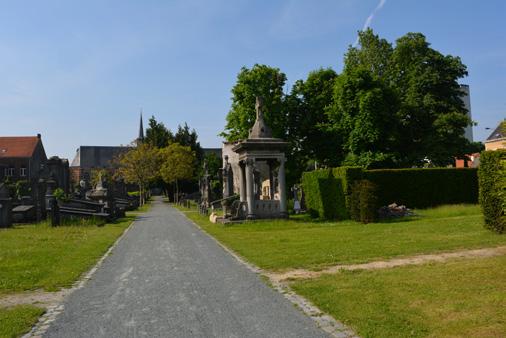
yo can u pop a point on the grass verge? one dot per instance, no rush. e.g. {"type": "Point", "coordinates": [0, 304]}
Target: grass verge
{"type": "Point", "coordinates": [303, 243]}
{"type": "Point", "coordinates": [463, 298]}
{"type": "Point", "coordinates": [38, 256]}
{"type": "Point", "coordinates": [18, 320]}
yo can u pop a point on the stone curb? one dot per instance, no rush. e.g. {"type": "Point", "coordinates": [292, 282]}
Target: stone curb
{"type": "Point", "coordinates": [324, 321]}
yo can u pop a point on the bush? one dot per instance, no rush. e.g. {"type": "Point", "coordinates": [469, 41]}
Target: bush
{"type": "Point", "coordinates": [323, 193]}
{"type": "Point", "coordinates": [423, 188]}
{"type": "Point", "coordinates": [492, 182]}
{"type": "Point", "coordinates": [364, 202]}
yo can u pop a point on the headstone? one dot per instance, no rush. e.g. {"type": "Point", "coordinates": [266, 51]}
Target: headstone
{"type": "Point", "coordinates": [40, 200]}
{"type": "Point", "coordinates": [5, 207]}
{"type": "Point", "coordinates": [55, 213]}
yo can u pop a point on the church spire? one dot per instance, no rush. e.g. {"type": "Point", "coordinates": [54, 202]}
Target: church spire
{"type": "Point", "coordinates": [141, 130]}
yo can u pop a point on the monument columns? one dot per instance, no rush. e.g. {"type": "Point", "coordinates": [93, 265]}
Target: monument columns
{"type": "Point", "coordinates": [282, 188]}
{"type": "Point", "coordinates": [271, 180]}
{"type": "Point", "coordinates": [250, 191]}
{"type": "Point", "coordinates": [242, 179]}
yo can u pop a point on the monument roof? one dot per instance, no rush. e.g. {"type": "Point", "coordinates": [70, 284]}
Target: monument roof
{"type": "Point", "coordinates": [18, 146]}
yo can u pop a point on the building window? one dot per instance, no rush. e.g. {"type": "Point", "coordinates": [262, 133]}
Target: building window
{"type": "Point", "coordinates": [9, 172]}
{"type": "Point", "coordinates": [22, 172]}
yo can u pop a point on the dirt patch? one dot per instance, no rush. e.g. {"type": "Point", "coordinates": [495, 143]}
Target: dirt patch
{"type": "Point", "coordinates": [39, 297]}
{"type": "Point", "coordinates": [414, 260]}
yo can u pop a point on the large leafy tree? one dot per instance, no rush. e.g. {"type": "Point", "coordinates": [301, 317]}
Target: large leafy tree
{"type": "Point", "coordinates": [157, 134]}
{"type": "Point", "coordinates": [432, 116]}
{"type": "Point", "coordinates": [189, 138]}
{"type": "Point", "coordinates": [140, 166]}
{"type": "Point", "coordinates": [260, 80]}
{"type": "Point", "coordinates": [373, 54]}
{"type": "Point", "coordinates": [362, 114]}
{"type": "Point", "coordinates": [307, 124]}
{"type": "Point", "coordinates": [400, 106]}
{"type": "Point", "coordinates": [177, 163]}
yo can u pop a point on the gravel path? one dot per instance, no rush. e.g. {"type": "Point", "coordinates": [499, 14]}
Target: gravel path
{"type": "Point", "coordinates": [166, 278]}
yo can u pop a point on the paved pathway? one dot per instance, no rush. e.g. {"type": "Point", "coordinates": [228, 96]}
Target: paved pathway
{"type": "Point", "coordinates": [166, 278]}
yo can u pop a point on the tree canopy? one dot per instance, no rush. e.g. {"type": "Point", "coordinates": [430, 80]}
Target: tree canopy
{"type": "Point", "coordinates": [139, 165]}
{"type": "Point", "coordinates": [264, 81]}
{"type": "Point", "coordinates": [393, 105]}
{"type": "Point", "coordinates": [157, 135]}
{"type": "Point", "coordinates": [177, 163]}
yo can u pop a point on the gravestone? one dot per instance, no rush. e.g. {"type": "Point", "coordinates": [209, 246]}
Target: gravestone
{"type": "Point", "coordinates": [5, 207]}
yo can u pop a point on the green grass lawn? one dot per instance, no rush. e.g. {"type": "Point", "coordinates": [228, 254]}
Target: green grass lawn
{"type": "Point", "coordinates": [302, 243]}
{"type": "Point", "coordinates": [462, 298]}
{"type": "Point", "coordinates": [38, 256]}
{"type": "Point", "coordinates": [18, 320]}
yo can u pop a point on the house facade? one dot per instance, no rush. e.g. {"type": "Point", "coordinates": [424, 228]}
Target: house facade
{"type": "Point", "coordinates": [22, 158]}
{"type": "Point", "coordinates": [497, 140]}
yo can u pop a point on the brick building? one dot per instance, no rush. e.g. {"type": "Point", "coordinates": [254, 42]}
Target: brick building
{"type": "Point", "coordinates": [22, 158]}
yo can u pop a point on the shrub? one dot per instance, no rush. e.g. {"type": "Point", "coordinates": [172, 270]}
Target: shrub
{"type": "Point", "coordinates": [423, 188]}
{"type": "Point", "coordinates": [59, 194]}
{"type": "Point", "coordinates": [492, 182]}
{"type": "Point", "coordinates": [323, 193]}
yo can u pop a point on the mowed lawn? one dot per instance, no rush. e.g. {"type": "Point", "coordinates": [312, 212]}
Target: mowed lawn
{"type": "Point", "coordinates": [302, 243]}
{"type": "Point", "coordinates": [38, 256]}
{"type": "Point", "coordinates": [461, 298]}
{"type": "Point", "coordinates": [17, 320]}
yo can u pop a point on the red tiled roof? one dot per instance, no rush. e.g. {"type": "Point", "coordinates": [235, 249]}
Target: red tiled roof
{"type": "Point", "coordinates": [18, 146]}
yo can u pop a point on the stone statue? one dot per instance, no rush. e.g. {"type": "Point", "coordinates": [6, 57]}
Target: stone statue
{"type": "Point", "coordinates": [259, 107]}
{"type": "Point", "coordinates": [260, 128]}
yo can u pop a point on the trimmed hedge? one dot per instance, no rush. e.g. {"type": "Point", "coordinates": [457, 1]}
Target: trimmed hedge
{"type": "Point", "coordinates": [423, 188]}
{"type": "Point", "coordinates": [323, 194]}
{"type": "Point", "coordinates": [348, 176]}
{"type": "Point", "coordinates": [492, 182]}
{"type": "Point", "coordinates": [364, 202]}
{"type": "Point", "coordinates": [328, 192]}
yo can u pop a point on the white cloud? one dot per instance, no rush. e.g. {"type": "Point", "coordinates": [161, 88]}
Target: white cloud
{"type": "Point", "coordinates": [369, 19]}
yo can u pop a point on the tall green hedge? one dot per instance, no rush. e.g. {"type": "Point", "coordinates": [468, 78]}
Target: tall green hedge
{"type": "Point", "coordinates": [328, 192]}
{"type": "Point", "coordinates": [492, 181]}
{"type": "Point", "coordinates": [348, 176]}
{"type": "Point", "coordinates": [423, 188]}
{"type": "Point", "coordinates": [323, 194]}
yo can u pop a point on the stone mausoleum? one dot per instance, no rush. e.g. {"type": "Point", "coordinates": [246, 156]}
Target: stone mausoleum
{"type": "Point", "coordinates": [254, 169]}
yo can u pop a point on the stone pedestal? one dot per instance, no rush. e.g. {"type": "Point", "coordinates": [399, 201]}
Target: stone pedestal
{"type": "Point", "coordinates": [250, 190]}
{"type": "Point", "coordinates": [282, 189]}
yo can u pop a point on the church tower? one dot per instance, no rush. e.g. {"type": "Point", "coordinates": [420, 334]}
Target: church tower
{"type": "Point", "coordinates": [140, 138]}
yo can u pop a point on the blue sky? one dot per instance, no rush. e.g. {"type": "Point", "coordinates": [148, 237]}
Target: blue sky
{"type": "Point", "coordinates": [78, 72]}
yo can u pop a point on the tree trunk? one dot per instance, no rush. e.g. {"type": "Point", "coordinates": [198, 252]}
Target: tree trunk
{"type": "Point", "coordinates": [140, 195]}
{"type": "Point", "coordinates": [177, 193]}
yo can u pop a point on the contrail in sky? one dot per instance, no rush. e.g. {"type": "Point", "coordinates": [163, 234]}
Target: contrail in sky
{"type": "Point", "coordinates": [368, 21]}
